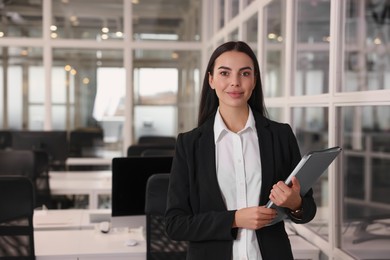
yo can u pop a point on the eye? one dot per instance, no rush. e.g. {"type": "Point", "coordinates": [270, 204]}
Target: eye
{"type": "Point", "coordinates": [224, 73]}
{"type": "Point", "coordinates": [246, 73]}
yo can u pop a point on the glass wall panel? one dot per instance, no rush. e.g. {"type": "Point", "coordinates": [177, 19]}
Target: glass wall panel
{"type": "Point", "coordinates": [251, 30]}
{"type": "Point", "coordinates": [367, 56]}
{"type": "Point", "coordinates": [313, 21]}
{"type": "Point", "coordinates": [275, 113]}
{"type": "Point", "coordinates": [221, 12]}
{"type": "Point", "coordinates": [21, 86]}
{"type": "Point", "coordinates": [235, 8]}
{"type": "Point", "coordinates": [247, 2]}
{"type": "Point", "coordinates": [274, 48]}
{"type": "Point", "coordinates": [167, 20]}
{"type": "Point", "coordinates": [310, 126]}
{"type": "Point", "coordinates": [21, 18]}
{"type": "Point", "coordinates": [364, 134]}
{"type": "Point", "coordinates": [92, 83]}
{"type": "Point", "coordinates": [312, 75]}
{"type": "Point", "coordinates": [233, 36]}
{"type": "Point", "coordinates": [77, 20]}
{"type": "Point", "coordinates": [313, 30]}
{"type": "Point", "coordinates": [166, 82]}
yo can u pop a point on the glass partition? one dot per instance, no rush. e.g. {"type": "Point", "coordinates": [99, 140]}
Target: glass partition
{"type": "Point", "coordinates": [21, 88]}
{"type": "Point", "coordinates": [367, 56]}
{"type": "Point", "coordinates": [77, 20]}
{"type": "Point", "coordinates": [88, 92]}
{"type": "Point", "coordinates": [313, 19]}
{"type": "Point", "coordinates": [312, 57]}
{"type": "Point", "coordinates": [20, 18]}
{"type": "Point", "coordinates": [364, 135]}
{"type": "Point", "coordinates": [166, 90]}
{"type": "Point", "coordinates": [310, 125]}
{"type": "Point", "coordinates": [166, 20]}
{"type": "Point", "coordinates": [312, 73]}
{"type": "Point", "coordinates": [274, 48]}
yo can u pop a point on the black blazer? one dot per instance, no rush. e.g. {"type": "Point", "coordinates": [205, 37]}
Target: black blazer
{"type": "Point", "coordinates": [196, 211]}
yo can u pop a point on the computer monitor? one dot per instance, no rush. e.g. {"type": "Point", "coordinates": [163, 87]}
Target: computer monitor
{"type": "Point", "coordinates": [5, 139]}
{"type": "Point", "coordinates": [54, 143]}
{"type": "Point", "coordinates": [129, 177]}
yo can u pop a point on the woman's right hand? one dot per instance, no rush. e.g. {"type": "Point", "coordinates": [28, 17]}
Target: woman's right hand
{"type": "Point", "coordinates": [254, 217]}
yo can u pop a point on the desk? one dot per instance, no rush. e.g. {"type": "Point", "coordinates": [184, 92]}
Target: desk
{"type": "Point", "coordinates": [88, 161]}
{"type": "Point", "coordinates": [93, 184]}
{"type": "Point", "coordinates": [92, 244]}
{"type": "Point", "coordinates": [88, 244]}
{"type": "Point", "coordinates": [72, 219]}
{"type": "Point", "coordinates": [69, 234]}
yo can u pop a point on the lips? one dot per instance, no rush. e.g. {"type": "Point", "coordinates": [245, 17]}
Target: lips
{"type": "Point", "coordinates": [235, 94]}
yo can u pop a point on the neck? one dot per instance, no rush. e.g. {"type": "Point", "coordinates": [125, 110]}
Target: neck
{"type": "Point", "coordinates": [234, 119]}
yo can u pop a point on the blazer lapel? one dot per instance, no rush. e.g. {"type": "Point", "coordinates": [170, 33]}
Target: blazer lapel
{"type": "Point", "coordinates": [267, 156]}
{"type": "Point", "coordinates": [207, 165]}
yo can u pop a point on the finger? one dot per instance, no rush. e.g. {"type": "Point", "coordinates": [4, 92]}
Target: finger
{"type": "Point", "coordinates": [295, 183]}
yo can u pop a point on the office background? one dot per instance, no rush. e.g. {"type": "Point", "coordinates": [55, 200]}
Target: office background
{"type": "Point", "coordinates": [134, 67]}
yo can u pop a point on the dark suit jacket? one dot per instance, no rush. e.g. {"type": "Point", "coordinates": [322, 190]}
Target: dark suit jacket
{"type": "Point", "coordinates": [196, 211]}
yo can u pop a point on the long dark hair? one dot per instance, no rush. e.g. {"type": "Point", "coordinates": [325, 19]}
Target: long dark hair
{"type": "Point", "coordinates": [209, 100]}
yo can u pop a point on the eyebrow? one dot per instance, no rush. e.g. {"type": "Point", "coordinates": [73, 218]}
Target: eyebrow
{"type": "Point", "coordinates": [241, 69]}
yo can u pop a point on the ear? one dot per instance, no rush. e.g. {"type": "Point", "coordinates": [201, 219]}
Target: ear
{"type": "Point", "coordinates": [211, 80]}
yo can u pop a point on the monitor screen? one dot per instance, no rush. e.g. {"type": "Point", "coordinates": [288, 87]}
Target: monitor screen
{"type": "Point", "coordinates": [5, 139]}
{"type": "Point", "coordinates": [55, 143]}
{"type": "Point", "coordinates": [129, 177]}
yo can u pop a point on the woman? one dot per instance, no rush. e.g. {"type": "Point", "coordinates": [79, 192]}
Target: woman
{"type": "Point", "coordinates": [226, 169]}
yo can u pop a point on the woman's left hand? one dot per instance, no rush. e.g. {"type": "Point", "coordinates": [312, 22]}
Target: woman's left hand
{"type": "Point", "coordinates": [285, 196]}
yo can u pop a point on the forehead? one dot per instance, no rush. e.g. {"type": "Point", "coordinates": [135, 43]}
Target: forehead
{"type": "Point", "coordinates": [233, 59]}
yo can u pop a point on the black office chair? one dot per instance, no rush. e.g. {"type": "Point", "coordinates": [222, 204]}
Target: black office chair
{"type": "Point", "coordinates": [157, 139]}
{"type": "Point", "coordinates": [5, 139]}
{"type": "Point", "coordinates": [16, 218]}
{"type": "Point", "coordinates": [33, 165]}
{"type": "Point", "coordinates": [17, 162]}
{"type": "Point", "coordinates": [158, 245]}
{"type": "Point", "coordinates": [86, 142]}
{"type": "Point", "coordinates": [158, 152]}
{"type": "Point", "coordinates": [41, 180]}
{"type": "Point", "coordinates": [139, 149]}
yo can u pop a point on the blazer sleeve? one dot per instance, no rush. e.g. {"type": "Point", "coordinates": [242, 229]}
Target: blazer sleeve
{"type": "Point", "coordinates": [183, 218]}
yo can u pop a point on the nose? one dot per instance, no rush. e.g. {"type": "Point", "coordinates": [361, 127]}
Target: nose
{"type": "Point", "coordinates": [235, 81]}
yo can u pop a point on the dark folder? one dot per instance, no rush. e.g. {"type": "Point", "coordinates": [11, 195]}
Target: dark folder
{"type": "Point", "coordinates": [308, 171]}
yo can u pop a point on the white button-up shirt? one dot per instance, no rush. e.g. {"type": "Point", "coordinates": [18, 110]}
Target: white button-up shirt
{"type": "Point", "coordinates": [239, 176]}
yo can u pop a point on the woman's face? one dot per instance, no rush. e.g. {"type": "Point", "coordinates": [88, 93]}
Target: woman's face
{"type": "Point", "coordinates": [233, 79]}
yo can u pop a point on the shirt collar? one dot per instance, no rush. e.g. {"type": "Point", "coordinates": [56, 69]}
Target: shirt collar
{"type": "Point", "coordinates": [221, 130]}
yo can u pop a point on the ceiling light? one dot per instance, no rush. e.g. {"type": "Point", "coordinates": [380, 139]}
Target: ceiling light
{"type": "Point", "coordinates": [175, 55]}
{"type": "Point", "coordinates": [272, 36]}
{"type": "Point", "coordinates": [377, 41]}
{"type": "Point", "coordinates": [73, 18]}
{"type": "Point", "coordinates": [24, 52]}
{"type": "Point", "coordinates": [85, 81]}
